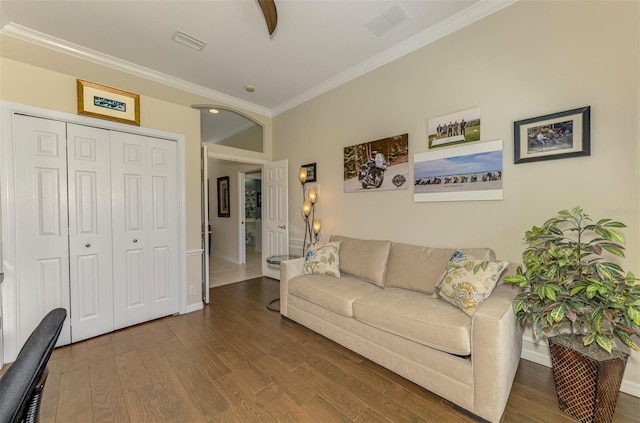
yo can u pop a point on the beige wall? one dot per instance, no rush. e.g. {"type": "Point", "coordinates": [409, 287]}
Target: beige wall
{"type": "Point", "coordinates": [530, 59]}
{"type": "Point", "coordinates": [36, 76]}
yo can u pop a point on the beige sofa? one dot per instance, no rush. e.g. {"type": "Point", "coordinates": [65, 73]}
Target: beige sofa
{"type": "Point", "coordinates": [381, 308]}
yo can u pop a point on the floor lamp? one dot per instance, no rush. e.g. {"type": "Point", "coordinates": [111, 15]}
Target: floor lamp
{"type": "Point", "coordinates": [312, 225]}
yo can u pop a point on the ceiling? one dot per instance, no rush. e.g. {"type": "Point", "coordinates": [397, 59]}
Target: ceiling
{"type": "Point", "coordinates": [317, 45]}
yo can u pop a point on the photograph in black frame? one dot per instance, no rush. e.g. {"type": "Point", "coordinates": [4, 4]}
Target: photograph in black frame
{"type": "Point", "coordinates": [312, 173]}
{"type": "Point", "coordinates": [224, 209]}
{"type": "Point", "coordinates": [555, 136]}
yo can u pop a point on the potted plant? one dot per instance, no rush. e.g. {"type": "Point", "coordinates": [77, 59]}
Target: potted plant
{"type": "Point", "coordinates": [570, 290]}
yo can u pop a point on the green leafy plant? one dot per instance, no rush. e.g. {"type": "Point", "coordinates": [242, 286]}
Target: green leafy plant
{"type": "Point", "coordinates": [565, 279]}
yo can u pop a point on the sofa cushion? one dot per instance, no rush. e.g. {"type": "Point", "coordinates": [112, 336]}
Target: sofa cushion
{"type": "Point", "coordinates": [418, 317]}
{"type": "Point", "coordinates": [322, 259]}
{"type": "Point", "coordinates": [418, 268]}
{"type": "Point", "coordinates": [335, 294]}
{"type": "Point", "coordinates": [363, 258]}
{"type": "Point", "coordinates": [467, 281]}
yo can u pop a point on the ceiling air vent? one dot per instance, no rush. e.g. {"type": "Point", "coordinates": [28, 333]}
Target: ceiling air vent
{"type": "Point", "coordinates": [387, 20]}
{"type": "Point", "coordinates": [188, 40]}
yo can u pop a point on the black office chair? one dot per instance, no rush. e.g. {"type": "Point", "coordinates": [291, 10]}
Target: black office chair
{"type": "Point", "coordinates": [22, 384]}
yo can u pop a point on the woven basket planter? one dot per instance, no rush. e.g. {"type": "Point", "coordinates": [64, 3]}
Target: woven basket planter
{"type": "Point", "coordinates": [587, 384]}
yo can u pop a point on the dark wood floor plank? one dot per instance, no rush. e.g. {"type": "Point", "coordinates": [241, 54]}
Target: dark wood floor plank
{"type": "Point", "coordinates": [326, 390]}
{"type": "Point", "coordinates": [235, 361]}
{"type": "Point", "coordinates": [202, 392]}
{"type": "Point", "coordinates": [144, 406]}
{"type": "Point", "coordinates": [427, 405]}
{"type": "Point", "coordinates": [371, 416]}
{"type": "Point", "coordinates": [175, 402]}
{"type": "Point", "coordinates": [75, 394]}
{"type": "Point", "coordinates": [362, 391]}
{"type": "Point", "coordinates": [133, 375]}
{"type": "Point", "coordinates": [242, 402]}
{"type": "Point", "coordinates": [296, 388]}
{"type": "Point", "coordinates": [107, 398]}
{"type": "Point", "coordinates": [122, 342]}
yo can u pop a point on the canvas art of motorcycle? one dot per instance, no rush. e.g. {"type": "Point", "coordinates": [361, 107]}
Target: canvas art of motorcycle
{"type": "Point", "coordinates": [372, 172]}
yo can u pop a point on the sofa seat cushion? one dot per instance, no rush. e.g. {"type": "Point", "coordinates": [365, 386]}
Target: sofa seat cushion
{"type": "Point", "coordinates": [335, 294]}
{"type": "Point", "coordinates": [418, 317]}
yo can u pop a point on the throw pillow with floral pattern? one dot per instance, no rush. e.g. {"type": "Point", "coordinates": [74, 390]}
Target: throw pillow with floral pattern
{"type": "Point", "coordinates": [468, 281]}
{"type": "Point", "coordinates": [323, 259]}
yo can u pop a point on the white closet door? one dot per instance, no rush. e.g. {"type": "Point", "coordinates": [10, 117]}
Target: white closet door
{"type": "Point", "coordinates": [145, 232]}
{"type": "Point", "coordinates": [42, 251]}
{"type": "Point", "coordinates": [162, 215]}
{"type": "Point", "coordinates": [90, 249]}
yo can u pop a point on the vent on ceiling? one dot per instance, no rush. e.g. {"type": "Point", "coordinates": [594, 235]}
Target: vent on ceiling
{"type": "Point", "coordinates": [188, 40]}
{"type": "Point", "coordinates": [387, 20]}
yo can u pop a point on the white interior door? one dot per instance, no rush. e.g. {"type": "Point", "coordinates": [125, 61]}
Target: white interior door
{"type": "Point", "coordinates": [206, 232]}
{"type": "Point", "coordinates": [42, 250]}
{"type": "Point", "coordinates": [162, 218]}
{"type": "Point", "coordinates": [275, 214]}
{"type": "Point", "coordinates": [145, 228]}
{"type": "Point", "coordinates": [90, 248]}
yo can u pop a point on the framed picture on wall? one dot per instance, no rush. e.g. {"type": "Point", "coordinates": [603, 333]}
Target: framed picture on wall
{"type": "Point", "coordinates": [555, 136]}
{"type": "Point", "coordinates": [312, 174]}
{"type": "Point", "coordinates": [104, 102]}
{"type": "Point", "coordinates": [224, 209]}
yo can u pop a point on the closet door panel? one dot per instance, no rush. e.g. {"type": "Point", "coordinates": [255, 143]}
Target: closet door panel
{"type": "Point", "coordinates": [90, 245]}
{"type": "Point", "coordinates": [42, 257]}
{"type": "Point", "coordinates": [130, 259]}
{"type": "Point", "coordinates": [163, 233]}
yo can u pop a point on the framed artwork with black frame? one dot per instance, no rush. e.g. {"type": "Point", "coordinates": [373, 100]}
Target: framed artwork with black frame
{"type": "Point", "coordinates": [224, 209]}
{"type": "Point", "coordinates": [555, 136]}
{"type": "Point", "coordinates": [312, 173]}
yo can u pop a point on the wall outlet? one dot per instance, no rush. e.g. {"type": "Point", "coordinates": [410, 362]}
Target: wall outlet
{"type": "Point", "coordinates": [192, 290]}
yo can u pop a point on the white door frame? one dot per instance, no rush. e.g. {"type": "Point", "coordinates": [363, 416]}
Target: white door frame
{"type": "Point", "coordinates": [242, 226]}
{"type": "Point", "coordinates": [8, 213]}
{"type": "Point", "coordinates": [206, 232]}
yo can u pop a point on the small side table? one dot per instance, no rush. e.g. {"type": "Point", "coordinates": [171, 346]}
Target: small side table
{"type": "Point", "coordinates": [276, 260]}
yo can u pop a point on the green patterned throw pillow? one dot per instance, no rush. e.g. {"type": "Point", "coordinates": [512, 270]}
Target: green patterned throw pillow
{"type": "Point", "coordinates": [468, 281]}
{"type": "Point", "coordinates": [323, 259]}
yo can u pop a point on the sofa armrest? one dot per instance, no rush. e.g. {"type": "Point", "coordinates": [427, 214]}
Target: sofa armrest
{"type": "Point", "coordinates": [288, 269]}
{"type": "Point", "coordinates": [496, 345]}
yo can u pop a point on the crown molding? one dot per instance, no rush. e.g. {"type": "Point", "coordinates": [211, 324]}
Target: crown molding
{"type": "Point", "coordinates": [456, 22]}
{"type": "Point", "coordinates": [464, 18]}
{"type": "Point", "coordinates": [57, 44]}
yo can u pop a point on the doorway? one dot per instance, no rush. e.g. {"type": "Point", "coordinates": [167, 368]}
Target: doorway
{"type": "Point", "coordinates": [252, 232]}
{"type": "Point", "coordinates": [236, 239]}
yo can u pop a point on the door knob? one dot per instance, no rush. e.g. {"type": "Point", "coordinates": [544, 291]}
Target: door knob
{"type": "Point", "coordinates": [282, 226]}
{"type": "Point", "coordinates": [135, 240]}
{"type": "Point", "coordinates": [87, 245]}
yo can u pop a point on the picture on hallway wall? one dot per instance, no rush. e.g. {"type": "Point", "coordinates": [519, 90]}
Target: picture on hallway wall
{"type": "Point", "coordinates": [455, 128]}
{"type": "Point", "coordinates": [555, 136]}
{"type": "Point", "coordinates": [464, 173]}
{"type": "Point", "coordinates": [379, 165]}
{"type": "Point", "coordinates": [224, 209]}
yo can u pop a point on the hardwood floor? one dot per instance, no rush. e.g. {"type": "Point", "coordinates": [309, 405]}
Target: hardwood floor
{"type": "Point", "coordinates": [236, 361]}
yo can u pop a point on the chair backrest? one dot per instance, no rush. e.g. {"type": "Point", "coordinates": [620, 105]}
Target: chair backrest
{"type": "Point", "coordinates": [20, 382]}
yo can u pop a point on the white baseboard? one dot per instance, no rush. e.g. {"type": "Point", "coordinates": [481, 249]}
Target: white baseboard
{"type": "Point", "coordinates": [194, 307]}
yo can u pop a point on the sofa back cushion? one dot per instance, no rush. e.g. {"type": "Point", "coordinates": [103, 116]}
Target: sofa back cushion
{"type": "Point", "coordinates": [364, 258]}
{"type": "Point", "coordinates": [419, 268]}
